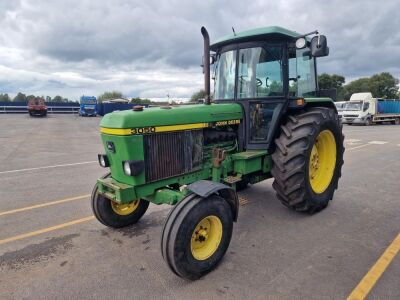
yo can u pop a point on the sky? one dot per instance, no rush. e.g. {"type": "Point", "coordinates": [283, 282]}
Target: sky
{"type": "Point", "coordinates": [153, 48]}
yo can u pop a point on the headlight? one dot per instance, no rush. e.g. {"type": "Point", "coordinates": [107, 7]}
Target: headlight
{"type": "Point", "coordinates": [103, 160]}
{"type": "Point", "coordinates": [133, 167]}
{"type": "Point", "coordinates": [301, 43]}
{"type": "Point", "coordinates": [127, 168]}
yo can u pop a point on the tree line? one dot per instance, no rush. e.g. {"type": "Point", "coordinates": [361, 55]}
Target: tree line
{"type": "Point", "coordinates": [20, 97]}
{"type": "Point", "coordinates": [382, 85]}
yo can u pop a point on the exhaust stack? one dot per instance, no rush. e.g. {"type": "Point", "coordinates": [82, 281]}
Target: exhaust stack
{"type": "Point", "coordinates": [206, 65]}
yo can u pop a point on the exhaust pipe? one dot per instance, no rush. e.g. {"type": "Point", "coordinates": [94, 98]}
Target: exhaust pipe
{"type": "Point", "coordinates": [206, 65]}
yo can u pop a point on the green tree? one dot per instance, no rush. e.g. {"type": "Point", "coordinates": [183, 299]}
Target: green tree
{"type": "Point", "coordinates": [327, 81]}
{"type": "Point", "coordinates": [30, 97]}
{"type": "Point", "coordinates": [4, 98]}
{"type": "Point", "coordinates": [20, 97]}
{"type": "Point", "coordinates": [356, 86]}
{"type": "Point", "coordinates": [109, 96]}
{"type": "Point", "coordinates": [139, 100]}
{"type": "Point", "coordinates": [332, 81]}
{"type": "Point", "coordinates": [59, 99]}
{"type": "Point", "coordinates": [201, 94]}
{"type": "Point", "coordinates": [384, 85]}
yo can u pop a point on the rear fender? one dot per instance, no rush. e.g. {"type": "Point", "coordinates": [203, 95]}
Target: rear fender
{"type": "Point", "coordinates": [205, 188]}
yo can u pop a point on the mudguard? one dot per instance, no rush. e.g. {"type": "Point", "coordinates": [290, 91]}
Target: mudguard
{"type": "Point", "coordinates": [205, 188]}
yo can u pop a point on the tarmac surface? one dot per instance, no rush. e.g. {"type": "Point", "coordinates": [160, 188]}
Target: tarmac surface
{"type": "Point", "coordinates": [52, 248]}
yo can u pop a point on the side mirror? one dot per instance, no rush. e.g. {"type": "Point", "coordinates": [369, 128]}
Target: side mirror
{"type": "Point", "coordinates": [319, 46]}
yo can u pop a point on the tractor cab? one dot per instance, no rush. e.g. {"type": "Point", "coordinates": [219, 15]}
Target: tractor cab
{"type": "Point", "coordinates": [265, 70]}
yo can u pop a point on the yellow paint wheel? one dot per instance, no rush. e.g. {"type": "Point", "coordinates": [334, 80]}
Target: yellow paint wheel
{"type": "Point", "coordinates": [124, 209]}
{"type": "Point", "coordinates": [322, 161]}
{"type": "Point", "coordinates": [206, 237]}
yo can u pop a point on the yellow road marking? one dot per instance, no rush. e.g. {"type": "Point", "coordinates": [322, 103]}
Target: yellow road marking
{"type": "Point", "coordinates": [9, 212]}
{"type": "Point", "coordinates": [44, 230]}
{"type": "Point", "coordinates": [367, 283]}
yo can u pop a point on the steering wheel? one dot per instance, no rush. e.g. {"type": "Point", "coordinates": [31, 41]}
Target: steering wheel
{"type": "Point", "coordinates": [258, 82]}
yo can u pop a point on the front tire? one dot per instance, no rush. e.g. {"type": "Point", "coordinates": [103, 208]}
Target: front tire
{"type": "Point", "coordinates": [196, 235]}
{"type": "Point", "coordinates": [308, 159]}
{"type": "Point", "coordinates": [116, 215]}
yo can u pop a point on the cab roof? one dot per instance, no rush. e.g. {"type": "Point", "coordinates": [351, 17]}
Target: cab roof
{"type": "Point", "coordinates": [255, 34]}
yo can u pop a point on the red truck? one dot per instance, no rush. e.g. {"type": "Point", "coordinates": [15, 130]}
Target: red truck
{"type": "Point", "coordinates": [37, 107]}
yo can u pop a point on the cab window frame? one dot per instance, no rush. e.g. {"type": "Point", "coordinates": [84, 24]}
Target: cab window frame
{"type": "Point", "coordinates": [256, 44]}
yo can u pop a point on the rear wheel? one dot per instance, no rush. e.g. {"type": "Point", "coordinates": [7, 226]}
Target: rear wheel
{"type": "Point", "coordinates": [308, 159]}
{"type": "Point", "coordinates": [196, 235]}
{"type": "Point", "coordinates": [117, 215]}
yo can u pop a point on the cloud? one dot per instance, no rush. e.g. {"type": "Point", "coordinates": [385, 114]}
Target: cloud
{"type": "Point", "coordinates": [153, 48]}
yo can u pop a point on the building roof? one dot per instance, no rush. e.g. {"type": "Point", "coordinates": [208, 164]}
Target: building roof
{"type": "Point", "coordinates": [254, 33]}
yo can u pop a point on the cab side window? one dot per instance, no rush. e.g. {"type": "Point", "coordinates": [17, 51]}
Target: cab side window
{"type": "Point", "coordinates": [302, 81]}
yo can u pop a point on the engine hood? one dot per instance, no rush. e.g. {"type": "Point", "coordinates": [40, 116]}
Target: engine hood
{"type": "Point", "coordinates": [175, 115]}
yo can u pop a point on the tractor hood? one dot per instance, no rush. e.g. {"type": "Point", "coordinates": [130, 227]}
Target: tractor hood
{"type": "Point", "coordinates": [172, 115]}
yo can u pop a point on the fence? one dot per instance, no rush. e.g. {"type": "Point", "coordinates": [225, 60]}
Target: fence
{"type": "Point", "coordinates": [52, 107]}
{"type": "Point", "coordinates": [63, 108]}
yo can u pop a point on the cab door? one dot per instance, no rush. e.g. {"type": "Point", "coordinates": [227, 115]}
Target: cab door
{"type": "Point", "coordinates": [260, 90]}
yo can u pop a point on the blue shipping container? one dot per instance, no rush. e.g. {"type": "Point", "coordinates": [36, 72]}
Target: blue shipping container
{"type": "Point", "coordinates": [388, 106]}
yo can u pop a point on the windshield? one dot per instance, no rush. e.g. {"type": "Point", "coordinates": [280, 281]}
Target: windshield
{"type": "Point", "coordinates": [340, 106]}
{"type": "Point", "coordinates": [259, 73]}
{"type": "Point", "coordinates": [88, 101]}
{"type": "Point", "coordinates": [355, 106]}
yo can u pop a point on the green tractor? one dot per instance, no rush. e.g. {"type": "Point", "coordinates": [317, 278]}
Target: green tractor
{"type": "Point", "coordinates": [267, 119]}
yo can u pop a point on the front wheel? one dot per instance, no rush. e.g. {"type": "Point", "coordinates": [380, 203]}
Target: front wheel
{"type": "Point", "coordinates": [117, 215]}
{"type": "Point", "coordinates": [196, 235]}
{"type": "Point", "coordinates": [308, 159]}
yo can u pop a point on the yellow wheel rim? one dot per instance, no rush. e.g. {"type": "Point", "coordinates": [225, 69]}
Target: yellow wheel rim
{"type": "Point", "coordinates": [206, 237]}
{"type": "Point", "coordinates": [124, 209]}
{"type": "Point", "coordinates": [322, 161]}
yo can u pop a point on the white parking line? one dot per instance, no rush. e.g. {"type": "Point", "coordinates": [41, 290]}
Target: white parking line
{"type": "Point", "coordinates": [49, 167]}
{"type": "Point", "coordinates": [377, 142]}
{"type": "Point", "coordinates": [361, 146]}
{"type": "Point", "coordinates": [352, 140]}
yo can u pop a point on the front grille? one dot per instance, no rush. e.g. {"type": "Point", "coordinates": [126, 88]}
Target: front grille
{"type": "Point", "coordinates": [172, 154]}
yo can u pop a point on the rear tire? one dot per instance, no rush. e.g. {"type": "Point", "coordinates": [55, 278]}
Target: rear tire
{"type": "Point", "coordinates": [196, 235]}
{"type": "Point", "coordinates": [115, 215]}
{"type": "Point", "coordinates": [299, 184]}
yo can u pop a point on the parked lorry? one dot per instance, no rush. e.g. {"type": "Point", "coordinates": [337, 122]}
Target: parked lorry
{"type": "Point", "coordinates": [37, 107]}
{"type": "Point", "coordinates": [365, 110]}
{"type": "Point", "coordinates": [267, 120]}
{"type": "Point", "coordinates": [88, 106]}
